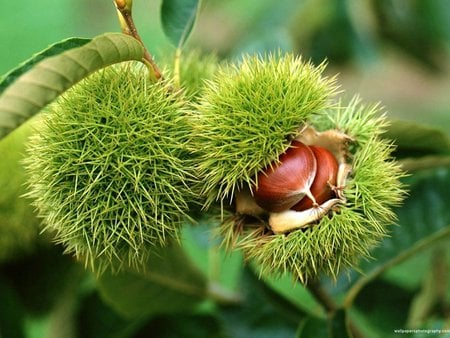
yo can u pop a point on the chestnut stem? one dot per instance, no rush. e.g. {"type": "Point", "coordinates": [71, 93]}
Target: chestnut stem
{"type": "Point", "coordinates": [130, 29]}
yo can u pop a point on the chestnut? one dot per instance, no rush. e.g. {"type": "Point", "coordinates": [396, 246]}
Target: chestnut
{"type": "Point", "coordinates": [282, 185]}
{"type": "Point", "coordinates": [324, 181]}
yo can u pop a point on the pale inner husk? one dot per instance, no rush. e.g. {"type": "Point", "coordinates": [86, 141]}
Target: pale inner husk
{"type": "Point", "coordinates": [286, 221]}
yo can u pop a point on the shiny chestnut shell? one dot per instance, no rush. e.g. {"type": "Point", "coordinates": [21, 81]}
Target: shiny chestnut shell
{"type": "Point", "coordinates": [324, 181]}
{"type": "Point", "coordinates": [284, 184]}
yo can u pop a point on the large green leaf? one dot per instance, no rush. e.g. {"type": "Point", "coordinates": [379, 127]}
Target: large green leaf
{"type": "Point", "coordinates": [419, 30]}
{"type": "Point", "coordinates": [413, 139]}
{"type": "Point", "coordinates": [382, 308]}
{"type": "Point", "coordinates": [431, 299]}
{"type": "Point", "coordinates": [296, 293]}
{"type": "Point", "coordinates": [178, 18]}
{"type": "Point", "coordinates": [52, 50]}
{"type": "Point", "coordinates": [40, 85]}
{"type": "Point", "coordinates": [170, 285]}
{"type": "Point", "coordinates": [203, 248]}
{"type": "Point", "coordinates": [424, 219]}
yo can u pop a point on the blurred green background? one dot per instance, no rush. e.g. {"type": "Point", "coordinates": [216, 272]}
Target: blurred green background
{"type": "Point", "coordinates": [393, 51]}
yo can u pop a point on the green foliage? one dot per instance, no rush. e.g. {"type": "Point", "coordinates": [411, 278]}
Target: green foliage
{"type": "Point", "coordinates": [195, 68]}
{"type": "Point", "coordinates": [25, 96]}
{"type": "Point", "coordinates": [421, 34]}
{"type": "Point", "coordinates": [339, 46]}
{"type": "Point", "coordinates": [183, 325]}
{"type": "Point", "coordinates": [374, 304]}
{"type": "Point", "coordinates": [11, 313]}
{"type": "Point", "coordinates": [98, 320]}
{"type": "Point", "coordinates": [53, 50]}
{"type": "Point", "coordinates": [273, 318]}
{"type": "Point", "coordinates": [178, 18]}
{"type": "Point", "coordinates": [106, 169]}
{"type": "Point", "coordinates": [419, 147]}
{"type": "Point", "coordinates": [335, 326]}
{"type": "Point", "coordinates": [414, 140]}
{"type": "Point", "coordinates": [424, 220]}
{"type": "Point", "coordinates": [247, 116]}
{"type": "Point", "coordinates": [19, 226]}
{"type": "Point", "coordinates": [40, 278]}
{"type": "Point", "coordinates": [114, 169]}
{"type": "Point", "coordinates": [171, 284]}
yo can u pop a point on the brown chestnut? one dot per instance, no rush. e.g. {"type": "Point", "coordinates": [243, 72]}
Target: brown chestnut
{"type": "Point", "coordinates": [324, 181]}
{"type": "Point", "coordinates": [282, 185]}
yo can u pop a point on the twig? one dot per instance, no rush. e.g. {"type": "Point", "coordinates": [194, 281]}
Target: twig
{"type": "Point", "coordinates": [417, 247]}
{"type": "Point", "coordinates": [129, 28]}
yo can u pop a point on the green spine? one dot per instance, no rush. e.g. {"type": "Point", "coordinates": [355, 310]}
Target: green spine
{"type": "Point", "coordinates": [108, 170]}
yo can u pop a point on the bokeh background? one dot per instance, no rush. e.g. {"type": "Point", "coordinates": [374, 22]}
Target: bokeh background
{"type": "Point", "coordinates": [396, 52]}
{"type": "Point", "coordinates": [393, 51]}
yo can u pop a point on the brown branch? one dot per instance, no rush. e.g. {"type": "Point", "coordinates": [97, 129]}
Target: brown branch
{"type": "Point", "coordinates": [129, 28]}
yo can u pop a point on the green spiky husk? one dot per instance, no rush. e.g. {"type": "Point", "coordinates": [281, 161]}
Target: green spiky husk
{"type": "Point", "coordinates": [247, 116]}
{"type": "Point", "coordinates": [107, 169]}
{"type": "Point", "coordinates": [195, 68]}
{"type": "Point", "coordinates": [342, 238]}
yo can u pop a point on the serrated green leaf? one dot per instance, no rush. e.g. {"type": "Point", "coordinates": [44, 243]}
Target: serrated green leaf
{"type": "Point", "coordinates": [170, 285]}
{"type": "Point", "coordinates": [414, 139]}
{"type": "Point", "coordinates": [364, 324]}
{"type": "Point", "coordinates": [178, 18]}
{"type": "Point", "coordinates": [409, 274]}
{"type": "Point", "coordinates": [47, 79]}
{"type": "Point", "coordinates": [52, 50]}
{"type": "Point", "coordinates": [424, 219]}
